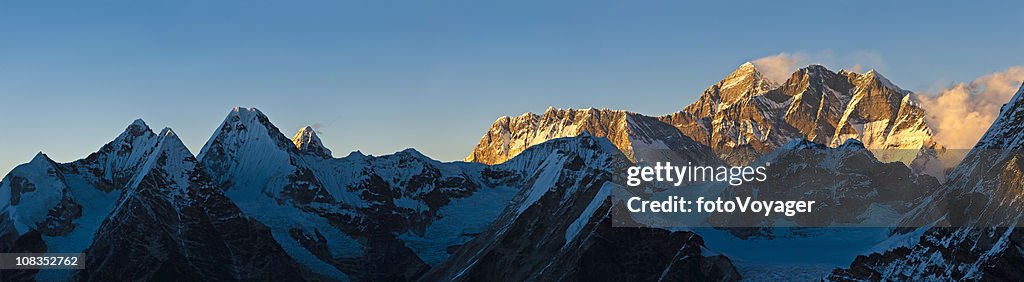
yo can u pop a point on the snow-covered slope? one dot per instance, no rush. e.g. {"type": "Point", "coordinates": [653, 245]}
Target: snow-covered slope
{"type": "Point", "coordinates": [397, 216]}
{"type": "Point", "coordinates": [321, 218]}
{"type": "Point", "coordinates": [118, 161]}
{"type": "Point", "coordinates": [361, 217]}
{"type": "Point", "coordinates": [559, 227]}
{"type": "Point", "coordinates": [171, 221]}
{"type": "Point", "coordinates": [977, 214]}
{"type": "Point", "coordinates": [36, 196]}
{"type": "Point", "coordinates": [57, 207]}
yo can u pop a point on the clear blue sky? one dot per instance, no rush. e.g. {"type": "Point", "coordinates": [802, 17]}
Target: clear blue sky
{"type": "Point", "coordinates": [381, 76]}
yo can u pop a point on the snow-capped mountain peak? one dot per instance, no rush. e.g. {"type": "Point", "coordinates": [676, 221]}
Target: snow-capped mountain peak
{"type": "Point", "coordinates": [168, 132]}
{"type": "Point", "coordinates": [747, 68]}
{"type": "Point", "coordinates": [306, 140]}
{"type": "Point", "coordinates": [138, 125]}
{"type": "Point", "coordinates": [874, 77]}
{"type": "Point", "coordinates": [172, 161]}
{"type": "Point", "coordinates": [740, 118]}
{"type": "Point", "coordinates": [170, 143]}
{"type": "Point", "coordinates": [246, 134]}
{"type": "Point", "coordinates": [40, 157]}
{"type": "Point", "coordinates": [134, 130]}
{"type": "Point", "coordinates": [30, 191]}
{"type": "Point", "coordinates": [744, 82]}
{"type": "Point", "coordinates": [414, 153]}
{"type": "Point", "coordinates": [191, 230]}
{"type": "Point", "coordinates": [1008, 129]}
{"type": "Point", "coordinates": [247, 125]}
{"type": "Point", "coordinates": [117, 161]}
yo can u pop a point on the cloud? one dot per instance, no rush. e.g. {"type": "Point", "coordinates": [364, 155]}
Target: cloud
{"type": "Point", "coordinates": [962, 112]}
{"type": "Point", "coordinates": [780, 66]}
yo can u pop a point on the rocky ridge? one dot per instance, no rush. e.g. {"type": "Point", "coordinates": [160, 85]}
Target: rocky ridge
{"type": "Point", "coordinates": [741, 118]}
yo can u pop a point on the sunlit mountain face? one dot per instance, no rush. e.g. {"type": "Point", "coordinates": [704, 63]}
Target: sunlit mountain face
{"type": "Point", "coordinates": [741, 118]}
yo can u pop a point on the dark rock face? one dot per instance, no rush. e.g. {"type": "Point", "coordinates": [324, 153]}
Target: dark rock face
{"type": "Point", "coordinates": [560, 229]}
{"type": "Point", "coordinates": [30, 242]}
{"type": "Point", "coordinates": [945, 254]}
{"type": "Point", "coordinates": [41, 198]}
{"type": "Point", "coordinates": [646, 254]}
{"type": "Point", "coordinates": [846, 183]}
{"type": "Point", "coordinates": [58, 219]}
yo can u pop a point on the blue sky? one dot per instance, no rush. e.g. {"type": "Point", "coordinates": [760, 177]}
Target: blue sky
{"type": "Point", "coordinates": [381, 76]}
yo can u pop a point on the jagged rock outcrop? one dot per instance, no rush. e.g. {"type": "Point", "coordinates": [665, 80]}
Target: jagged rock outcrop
{"type": "Point", "coordinates": [639, 137]}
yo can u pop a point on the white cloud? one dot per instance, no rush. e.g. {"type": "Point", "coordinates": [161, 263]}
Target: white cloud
{"type": "Point", "coordinates": [780, 66]}
{"type": "Point", "coordinates": [962, 112]}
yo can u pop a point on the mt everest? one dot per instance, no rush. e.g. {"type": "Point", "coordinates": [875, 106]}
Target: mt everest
{"type": "Point", "coordinates": [741, 118]}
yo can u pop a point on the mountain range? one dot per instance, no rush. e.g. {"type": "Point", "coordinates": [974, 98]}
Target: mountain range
{"type": "Point", "coordinates": [254, 204]}
{"type": "Point", "coordinates": [533, 201]}
{"type": "Point", "coordinates": [741, 118]}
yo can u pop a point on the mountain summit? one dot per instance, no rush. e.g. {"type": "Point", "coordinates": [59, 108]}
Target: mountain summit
{"type": "Point", "coordinates": [742, 117]}
{"type": "Point", "coordinates": [172, 221]}
{"type": "Point", "coordinates": [814, 103]}
{"type": "Point", "coordinates": [307, 141]}
{"type": "Point", "coordinates": [742, 84]}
